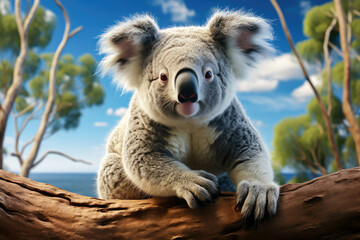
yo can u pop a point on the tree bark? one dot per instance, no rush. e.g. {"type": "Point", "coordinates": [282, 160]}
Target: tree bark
{"type": "Point", "coordinates": [327, 207]}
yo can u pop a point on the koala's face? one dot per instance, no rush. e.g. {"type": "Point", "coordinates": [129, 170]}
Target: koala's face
{"type": "Point", "coordinates": [184, 73]}
{"type": "Point", "coordinates": [187, 75]}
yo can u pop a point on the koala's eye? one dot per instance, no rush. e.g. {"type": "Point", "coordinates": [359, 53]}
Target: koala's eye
{"type": "Point", "coordinates": [208, 75]}
{"type": "Point", "coordinates": [163, 77]}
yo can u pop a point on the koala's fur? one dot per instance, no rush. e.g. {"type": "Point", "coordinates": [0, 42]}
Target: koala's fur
{"type": "Point", "coordinates": [157, 150]}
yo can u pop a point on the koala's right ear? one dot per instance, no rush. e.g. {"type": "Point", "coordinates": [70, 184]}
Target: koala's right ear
{"type": "Point", "coordinates": [125, 46]}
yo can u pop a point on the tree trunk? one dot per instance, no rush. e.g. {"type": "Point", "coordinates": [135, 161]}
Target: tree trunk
{"type": "Point", "coordinates": [327, 207]}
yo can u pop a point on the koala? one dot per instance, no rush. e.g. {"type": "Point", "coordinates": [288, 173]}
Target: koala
{"type": "Point", "coordinates": [185, 126]}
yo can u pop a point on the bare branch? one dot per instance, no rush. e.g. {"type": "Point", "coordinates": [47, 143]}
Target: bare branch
{"type": "Point", "coordinates": [25, 110]}
{"type": "Point", "coordinates": [18, 156]}
{"type": "Point", "coordinates": [26, 145]}
{"type": "Point", "coordinates": [337, 50]}
{"type": "Point", "coordinates": [356, 12]}
{"type": "Point", "coordinates": [317, 95]}
{"type": "Point", "coordinates": [30, 117]}
{"type": "Point", "coordinates": [75, 31]}
{"type": "Point", "coordinates": [61, 154]}
{"type": "Point", "coordinates": [327, 61]}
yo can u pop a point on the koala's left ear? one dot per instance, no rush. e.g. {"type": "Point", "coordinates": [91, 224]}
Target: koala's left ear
{"type": "Point", "coordinates": [244, 37]}
{"type": "Point", "coordinates": [125, 46]}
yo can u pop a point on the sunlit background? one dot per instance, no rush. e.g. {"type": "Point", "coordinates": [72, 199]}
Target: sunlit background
{"type": "Point", "coordinates": [276, 90]}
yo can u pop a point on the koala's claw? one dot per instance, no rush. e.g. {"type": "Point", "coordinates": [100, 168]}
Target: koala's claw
{"type": "Point", "coordinates": [254, 199]}
{"type": "Point", "coordinates": [197, 187]}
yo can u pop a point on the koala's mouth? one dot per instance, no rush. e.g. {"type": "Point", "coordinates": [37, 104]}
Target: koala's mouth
{"type": "Point", "coordinates": [187, 109]}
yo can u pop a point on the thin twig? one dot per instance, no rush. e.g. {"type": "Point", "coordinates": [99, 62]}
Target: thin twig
{"type": "Point", "coordinates": [26, 145]}
{"type": "Point", "coordinates": [25, 110]}
{"type": "Point", "coordinates": [75, 31]}
{"type": "Point", "coordinates": [327, 61]}
{"type": "Point", "coordinates": [317, 95]}
{"type": "Point", "coordinates": [61, 154]}
{"type": "Point", "coordinates": [336, 49]}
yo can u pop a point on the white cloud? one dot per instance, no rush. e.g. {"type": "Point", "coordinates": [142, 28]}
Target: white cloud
{"type": "Point", "coordinates": [177, 8]}
{"type": "Point", "coordinates": [274, 103]}
{"type": "Point", "coordinates": [270, 71]}
{"type": "Point", "coordinates": [5, 7]}
{"type": "Point", "coordinates": [120, 112]}
{"type": "Point", "coordinates": [49, 16]}
{"type": "Point", "coordinates": [100, 124]}
{"type": "Point", "coordinates": [283, 68]}
{"type": "Point", "coordinates": [305, 6]}
{"type": "Point", "coordinates": [256, 85]}
{"type": "Point", "coordinates": [304, 92]}
{"type": "Point", "coordinates": [110, 111]}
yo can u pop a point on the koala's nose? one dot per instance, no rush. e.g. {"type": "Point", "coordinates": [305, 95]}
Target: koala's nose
{"type": "Point", "coordinates": [186, 84]}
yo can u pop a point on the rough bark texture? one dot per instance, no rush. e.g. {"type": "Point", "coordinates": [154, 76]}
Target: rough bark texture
{"type": "Point", "coordinates": [324, 208]}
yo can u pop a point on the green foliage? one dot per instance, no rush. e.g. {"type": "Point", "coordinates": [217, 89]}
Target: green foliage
{"type": "Point", "coordinates": [39, 35]}
{"type": "Point", "coordinates": [311, 50]}
{"type": "Point", "coordinates": [72, 80]}
{"type": "Point", "coordinates": [317, 21]}
{"type": "Point", "coordinates": [6, 72]}
{"type": "Point", "coordinates": [336, 116]}
{"type": "Point", "coordinates": [77, 86]}
{"type": "Point", "coordinates": [302, 142]}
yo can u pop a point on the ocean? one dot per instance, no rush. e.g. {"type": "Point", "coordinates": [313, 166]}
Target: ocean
{"type": "Point", "coordinates": [81, 183]}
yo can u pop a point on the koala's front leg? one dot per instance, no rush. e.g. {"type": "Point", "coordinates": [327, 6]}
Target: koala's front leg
{"type": "Point", "coordinates": [154, 170]}
{"type": "Point", "coordinates": [256, 191]}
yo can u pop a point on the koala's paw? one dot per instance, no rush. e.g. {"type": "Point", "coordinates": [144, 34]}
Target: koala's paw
{"type": "Point", "coordinates": [254, 199]}
{"type": "Point", "coordinates": [196, 187]}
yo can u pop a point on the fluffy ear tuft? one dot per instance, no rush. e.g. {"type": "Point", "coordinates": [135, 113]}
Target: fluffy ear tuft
{"type": "Point", "coordinates": [125, 45]}
{"type": "Point", "coordinates": [244, 37]}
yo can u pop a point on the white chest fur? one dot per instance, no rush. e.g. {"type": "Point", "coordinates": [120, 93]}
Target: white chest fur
{"type": "Point", "coordinates": [191, 146]}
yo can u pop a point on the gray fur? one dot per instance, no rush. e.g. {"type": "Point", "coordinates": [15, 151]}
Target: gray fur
{"type": "Point", "coordinates": [159, 150]}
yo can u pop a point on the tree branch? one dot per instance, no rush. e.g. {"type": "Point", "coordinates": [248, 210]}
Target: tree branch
{"type": "Point", "coordinates": [25, 110]}
{"type": "Point", "coordinates": [17, 82]}
{"type": "Point", "coordinates": [317, 95]}
{"type": "Point", "coordinates": [75, 31]}
{"type": "Point", "coordinates": [336, 49]}
{"type": "Point", "coordinates": [26, 145]}
{"type": "Point", "coordinates": [61, 154]}
{"type": "Point", "coordinates": [51, 97]}
{"type": "Point", "coordinates": [326, 207]}
{"type": "Point", "coordinates": [347, 106]}
{"type": "Point", "coordinates": [30, 117]}
{"type": "Point", "coordinates": [327, 61]}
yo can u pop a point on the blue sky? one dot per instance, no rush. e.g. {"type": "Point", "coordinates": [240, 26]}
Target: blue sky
{"type": "Point", "coordinates": [272, 92]}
